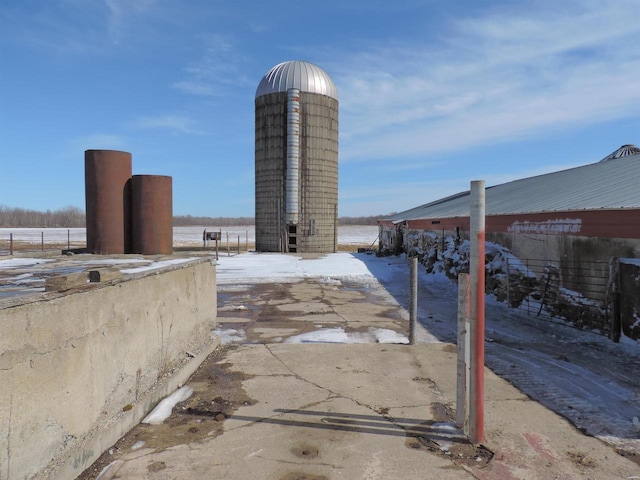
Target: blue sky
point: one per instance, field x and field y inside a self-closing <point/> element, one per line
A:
<point x="433" y="94"/>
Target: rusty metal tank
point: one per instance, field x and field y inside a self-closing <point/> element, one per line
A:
<point x="107" y="175"/>
<point x="151" y="214"/>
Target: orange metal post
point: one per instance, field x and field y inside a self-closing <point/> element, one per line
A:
<point x="477" y="277"/>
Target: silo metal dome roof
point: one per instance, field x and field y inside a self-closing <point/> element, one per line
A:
<point x="304" y="76"/>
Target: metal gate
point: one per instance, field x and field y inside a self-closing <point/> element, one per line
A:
<point x="575" y="292"/>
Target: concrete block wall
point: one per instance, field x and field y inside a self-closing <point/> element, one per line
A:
<point x="317" y="230"/>
<point x="79" y="369"/>
<point x="270" y="165"/>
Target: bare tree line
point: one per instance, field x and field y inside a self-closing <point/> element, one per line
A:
<point x="67" y="217"/>
<point x="188" y="220"/>
<point x="71" y="217"/>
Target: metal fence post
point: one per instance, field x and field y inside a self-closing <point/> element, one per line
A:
<point x="615" y="324"/>
<point x="11" y="244"/>
<point x="463" y="377"/>
<point x="528" y="291"/>
<point x="413" y="299"/>
<point x="477" y="279"/>
<point x="508" y="285"/>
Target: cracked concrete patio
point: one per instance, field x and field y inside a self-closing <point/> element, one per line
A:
<point x="270" y="410"/>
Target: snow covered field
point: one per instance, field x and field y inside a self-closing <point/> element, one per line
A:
<point x="182" y="236"/>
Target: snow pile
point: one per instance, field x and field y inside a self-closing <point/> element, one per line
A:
<point x="21" y="262"/>
<point x="338" y="335"/>
<point x="274" y="267"/>
<point x="451" y="256"/>
<point x="233" y="308"/>
<point x="229" y="335"/>
<point x="323" y="335"/>
<point x="164" y="408"/>
<point x="507" y="278"/>
<point x="562" y="302"/>
<point x="156" y="265"/>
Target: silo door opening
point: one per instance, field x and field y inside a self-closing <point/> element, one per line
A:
<point x="292" y="238"/>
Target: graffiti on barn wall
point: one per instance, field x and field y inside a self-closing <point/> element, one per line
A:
<point x="556" y="226"/>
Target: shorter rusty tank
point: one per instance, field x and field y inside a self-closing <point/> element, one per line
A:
<point x="151" y="214"/>
<point x="107" y="175"/>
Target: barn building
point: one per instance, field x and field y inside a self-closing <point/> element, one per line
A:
<point x="573" y="222"/>
<point x="547" y="216"/>
<point x="296" y="160"/>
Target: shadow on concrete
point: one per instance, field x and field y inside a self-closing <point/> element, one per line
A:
<point x="369" y="424"/>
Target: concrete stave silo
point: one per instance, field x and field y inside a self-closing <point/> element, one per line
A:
<point x="296" y="155"/>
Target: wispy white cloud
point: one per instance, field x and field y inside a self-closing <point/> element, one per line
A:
<point x="175" y="124"/>
<point x="218" y="67"/>
<point x="120" y="12"/>
<point x="79" y="27"/>
<point x="491" y="79"/>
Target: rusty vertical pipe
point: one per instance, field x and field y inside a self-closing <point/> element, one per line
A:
<point x="107" y="175"/>
<point x="152" y="214"/>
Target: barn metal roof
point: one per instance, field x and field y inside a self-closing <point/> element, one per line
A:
<point x="613" y="184"/>
<point x="304" y="76"/>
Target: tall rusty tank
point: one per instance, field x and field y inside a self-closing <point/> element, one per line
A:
<point x="296" y="160"/>
<point x="151" y="214"/>
<point x="106" y="175"/>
